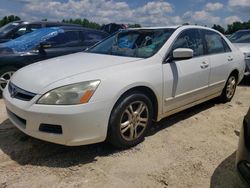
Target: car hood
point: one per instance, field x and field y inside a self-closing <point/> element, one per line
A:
<point x="244" y="47"/>
<point x="38" y="76"/>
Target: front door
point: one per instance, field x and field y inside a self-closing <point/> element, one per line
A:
<point x="186" y="81"/>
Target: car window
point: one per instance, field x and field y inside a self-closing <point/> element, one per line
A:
<point x="67" y="39"/>
<point x="93" y="36"/>
<point x="21" y="31"/>
<point x="141" y="43"/>
<point x="190" y="39"/>
<point x="226" y="47"/>
<point x="33" y="27"/>
<point x="214" y="42"/>
<point x="26" y="29"/>
<point x="8" y="27"/>
<point x="240" y="37"/>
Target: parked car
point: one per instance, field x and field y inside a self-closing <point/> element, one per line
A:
<point x="241" y="39"/>
<point x="115" y="89"/>
<point x="243" y="153"/>
<point x="43" y="44"/>
<point x="113" y="28"/>
<point x="16" y="29"/>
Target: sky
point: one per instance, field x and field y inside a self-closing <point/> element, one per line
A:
<point x="144" y="12"/>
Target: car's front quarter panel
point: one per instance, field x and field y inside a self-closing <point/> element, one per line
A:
<point x="116" y="80"/>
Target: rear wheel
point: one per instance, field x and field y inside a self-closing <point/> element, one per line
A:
<point x="129" y="121"/>
<point x="5" y="75"/>
<point x="229" y="89"/>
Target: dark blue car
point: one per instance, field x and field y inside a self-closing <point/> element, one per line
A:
<point x="43" y="44"/>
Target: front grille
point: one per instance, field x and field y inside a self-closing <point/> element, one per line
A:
<point x="18" y="93"/>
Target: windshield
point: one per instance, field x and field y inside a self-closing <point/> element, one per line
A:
<point x="142" y="43"/>
<point x="241" y="37"/>
<point x="31" y="40"/>
<point x="8" y="27"/>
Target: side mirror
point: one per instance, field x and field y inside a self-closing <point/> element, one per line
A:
<point x="183" y="53"/>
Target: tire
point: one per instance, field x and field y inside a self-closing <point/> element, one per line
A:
<point x="128" y="126"/>
<point x="229" y="89"/>
<point x="5" y="75"/>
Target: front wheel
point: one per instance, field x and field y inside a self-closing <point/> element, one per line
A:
<point x="130" y="120"/>
<point x="5" y="75"/>
<point x="229" y="89"/>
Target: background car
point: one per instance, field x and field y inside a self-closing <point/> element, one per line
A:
<point x="116" y="88"/>
<point x="243" y="153"/>
<point x="43" y="44"/>
<point x="113" y="27"/>
<point x="241" y="39"/>
<point x="18" y="28"/>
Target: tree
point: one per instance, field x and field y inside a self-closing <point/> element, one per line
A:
<point x="84" y="22"/>
<point x="219" y="28"/>
<point x="7" y="19"/>
<point x="232" y="28"/>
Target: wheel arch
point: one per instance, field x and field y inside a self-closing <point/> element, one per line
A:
<point x="236" y="73"/>
<point x="148" y="91"/>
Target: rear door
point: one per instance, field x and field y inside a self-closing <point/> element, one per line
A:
<point x="63" y="44"/>
<point x="186" y="81"/>
<point x="220" y="57"/>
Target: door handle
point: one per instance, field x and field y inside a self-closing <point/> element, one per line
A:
<point x="204" y="65"/>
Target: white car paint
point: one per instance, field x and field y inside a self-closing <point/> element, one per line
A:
<point x="245" y="48"/>
<point x="176" y="86"/>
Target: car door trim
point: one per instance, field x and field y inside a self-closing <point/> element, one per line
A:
<point x="194" y="103"/>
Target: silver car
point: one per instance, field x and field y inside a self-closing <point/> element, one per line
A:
<point x="241" y="39"/>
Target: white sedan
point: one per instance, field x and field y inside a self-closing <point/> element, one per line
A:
<point x="118" y="87"/>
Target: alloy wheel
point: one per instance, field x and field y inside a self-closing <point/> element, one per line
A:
<point x="134" y="120"/>
<point x="4" y="79"/>
<point x="231" y="86"/>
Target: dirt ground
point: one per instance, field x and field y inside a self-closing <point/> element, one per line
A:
<point x="194" y="148"/>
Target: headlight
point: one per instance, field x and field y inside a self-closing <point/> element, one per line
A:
<point x="71" y="94"/>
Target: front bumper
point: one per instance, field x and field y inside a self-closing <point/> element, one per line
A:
<point x="243" y="153"/>
<point x="80" y="124"/>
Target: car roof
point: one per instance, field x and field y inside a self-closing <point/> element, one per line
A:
<point x="175" y="27"/>
<point x="68" y="28"/>
<point x="243" y="30"/>
<point x="47" y="22"/>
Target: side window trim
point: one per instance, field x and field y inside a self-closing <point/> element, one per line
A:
<point x="226" y="46"/>
<point x="202" y="33"/>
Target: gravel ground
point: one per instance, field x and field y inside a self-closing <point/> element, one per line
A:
<point x="194" y="148"/>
